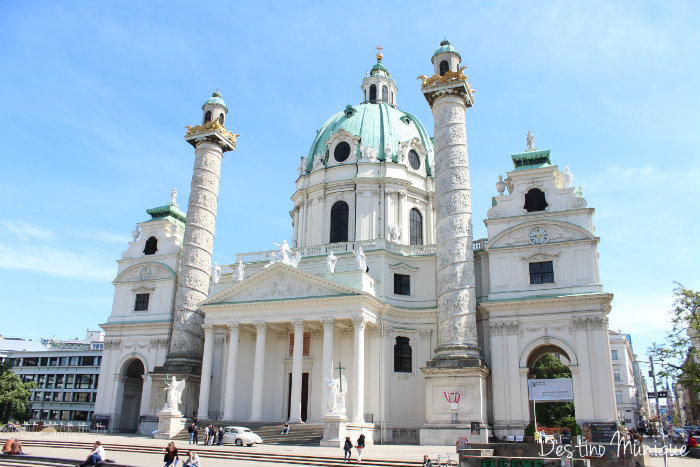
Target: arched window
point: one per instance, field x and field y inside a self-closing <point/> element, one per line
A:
<point x="151" y="246"/>
<point x="339" y="222"/>
<point x="207" y="116"/>
<point x="416" y="227"/>
<point x="535" y="200"/>
<point x="444" y="66"/>
<point x="385" y="94"/>
<point x="402" y="356"/>
<point x="221" y="118"/>
<point x="413" y="159"/>
<point x="341" y="151"/>
<point x="373" y="93"/>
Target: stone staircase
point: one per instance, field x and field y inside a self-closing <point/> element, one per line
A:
<point x="300" y="434"/>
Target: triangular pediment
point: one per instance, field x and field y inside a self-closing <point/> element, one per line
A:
<point x="279" y="282"/>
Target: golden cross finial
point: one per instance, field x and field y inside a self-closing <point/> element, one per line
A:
<point x="380" y="55"/>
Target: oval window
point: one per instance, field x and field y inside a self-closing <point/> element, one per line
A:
<point x="341" y="152"/>
<point x="413" y="159"/>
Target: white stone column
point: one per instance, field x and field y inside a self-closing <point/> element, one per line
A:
<point x="405" y="233"/>
<point x="229" y="386"/>
<point x="205" y="382"/>
<point x="358" y="378"/>
<point x="326" y="370"/>
<point x="146" y="393"/>
<point x="197" y="246"/>
<point x="297" y="366"/>
<point x="457" y="335"/>
<point x="385" y="213"/>
<point x="258" y="371"/>
<point x="429" y="240"/>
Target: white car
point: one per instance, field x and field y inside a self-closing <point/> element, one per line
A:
<point x="240" y="435"/>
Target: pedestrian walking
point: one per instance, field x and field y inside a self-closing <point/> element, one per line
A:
<point x="206" y="435"/>
<point x="196" y="432"/>
<point x="170" y="457"/>
<point x="221" y="435"/>
<point x="360" y="446"/>
<point x="347" y="447"/>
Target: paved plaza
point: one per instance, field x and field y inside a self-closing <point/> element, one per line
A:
<point x="407" y="453"/>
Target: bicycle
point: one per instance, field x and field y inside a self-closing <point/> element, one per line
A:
<point x="448" y="462"/>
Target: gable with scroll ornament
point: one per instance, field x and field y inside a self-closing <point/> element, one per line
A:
<point x="149" y="271"/>
<point x="280" y="282"/>
<point x="557" y="231"/>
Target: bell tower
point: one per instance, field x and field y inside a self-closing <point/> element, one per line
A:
<point x="211" y="141"/>
<point x="457" y="367"/>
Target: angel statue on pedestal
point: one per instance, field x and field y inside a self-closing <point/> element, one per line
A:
<point x="174" y="394"/>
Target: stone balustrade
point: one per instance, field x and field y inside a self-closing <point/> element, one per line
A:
<point x="344" y="247"/>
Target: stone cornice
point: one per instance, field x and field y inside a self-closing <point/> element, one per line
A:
<point x="603" y="299"/>
<point x="136" y="325"/>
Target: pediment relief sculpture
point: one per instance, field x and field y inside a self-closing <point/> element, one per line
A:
<point x="538" y="234"/>
<point x="145" y="272"/>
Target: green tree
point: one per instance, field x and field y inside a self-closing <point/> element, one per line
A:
<point x="680" y="352"/>
<point x="14" y="395"/>
<point x="554" y="414"/>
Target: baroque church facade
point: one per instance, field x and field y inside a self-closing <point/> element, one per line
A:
<point x="435" y="334"/>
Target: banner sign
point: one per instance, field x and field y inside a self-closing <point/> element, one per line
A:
<point x="603" y="432"/>
<point x="550" y="390"/>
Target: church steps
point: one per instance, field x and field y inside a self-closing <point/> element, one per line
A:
<point x="300" y="434"/>
<point x="216" y="452"/>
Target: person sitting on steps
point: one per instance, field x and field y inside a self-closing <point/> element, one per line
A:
<point x="285" y="428"/>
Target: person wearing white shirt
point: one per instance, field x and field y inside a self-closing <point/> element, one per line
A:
<point x="96" y="456"/>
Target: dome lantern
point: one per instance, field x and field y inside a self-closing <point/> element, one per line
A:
<point x="445" y="58"/>
<point x="378" y="85"/>
<point x="214" y="108"/>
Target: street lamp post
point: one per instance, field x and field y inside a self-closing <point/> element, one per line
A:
<point x="658" y="414"/>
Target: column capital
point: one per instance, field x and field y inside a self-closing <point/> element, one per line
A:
<point x="328" y="322"/>
<point x="261" y="327"/>
<point x="233" y="326"/>
<point x="297" y="323"/>
<point x="359" y="323"/>
<point x="208" y="328"/>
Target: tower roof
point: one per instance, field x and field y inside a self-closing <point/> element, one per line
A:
<point x="169" y="210"/>
<point x="446" y="47"/>
<point x="216" y="100"/>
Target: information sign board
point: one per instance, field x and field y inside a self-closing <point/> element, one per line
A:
<point x="550" y="390"/>
<point x="603" y="432"/>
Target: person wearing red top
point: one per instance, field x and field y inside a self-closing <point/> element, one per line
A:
<point x="691" y="442"/>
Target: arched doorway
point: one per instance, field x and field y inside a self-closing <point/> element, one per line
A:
<point x="551" y="362"/>
<point x="132" y="378"/>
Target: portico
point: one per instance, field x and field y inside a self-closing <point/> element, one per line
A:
<point x="266" y="359"/>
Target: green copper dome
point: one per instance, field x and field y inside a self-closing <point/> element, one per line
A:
<point x="379" y="69"/>
<point x="446" y="47"/>
<point x="215" y="99"/>
<point x="378" y="125"/>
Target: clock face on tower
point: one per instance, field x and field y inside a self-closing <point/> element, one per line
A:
<point x="539" y="235"/>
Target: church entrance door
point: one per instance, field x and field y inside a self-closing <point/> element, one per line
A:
<point x="304" y="395"/>
<point x="131" y="399"/>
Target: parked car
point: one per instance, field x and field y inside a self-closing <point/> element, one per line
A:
<point x="240" y="435"/>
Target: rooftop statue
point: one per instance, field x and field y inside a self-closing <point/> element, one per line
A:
<point x="330" y="262"/>
<point x="215" y="273"/>
<point x="240" y="271"/>
<point x="530" y="141"/>
<point x="360" y="259"/>
<point x="283" y="252"/>
<point x="568" y="177"/>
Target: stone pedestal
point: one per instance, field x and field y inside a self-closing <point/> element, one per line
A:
<point x="170" y="423"/>
<point x="445" y="422"/>
<point x="334" y="429"/>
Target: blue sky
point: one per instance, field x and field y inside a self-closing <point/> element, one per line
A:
<point x="96" y="95"/>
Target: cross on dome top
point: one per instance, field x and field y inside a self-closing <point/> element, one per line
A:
<point x="380" y="55"/>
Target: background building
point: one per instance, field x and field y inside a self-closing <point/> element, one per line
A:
<point x="631" y="392"/>
<point x="66" y="374"/>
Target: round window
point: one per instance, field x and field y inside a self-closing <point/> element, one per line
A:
<point x="413" y="159"/>
<point x="341" y="152"/>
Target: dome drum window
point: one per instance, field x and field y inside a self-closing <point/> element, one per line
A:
<point x="341" y="151"/>
<point x="413" y="159"/>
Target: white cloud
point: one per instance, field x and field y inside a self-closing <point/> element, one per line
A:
<point x="56" y="262"/>
<point x="103" y="236"/>
<point x="25" y="230"/>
